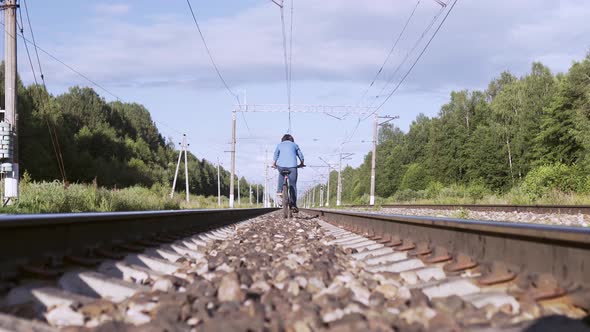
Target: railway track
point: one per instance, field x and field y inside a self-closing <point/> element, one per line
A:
<point x="540" y="209"/>
<point x="250" y="270"/>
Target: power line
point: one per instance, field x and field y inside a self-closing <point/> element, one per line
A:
<point x="210" y="55"/>
<point x="349" y="137"/>
<point x="390" y="52"/>
<point x="66" y="65"/>
<point x="246" y="123"/>
<point x="419" y="56"/>
<point x="410" y="52"/>
<point x="291" y="56"/>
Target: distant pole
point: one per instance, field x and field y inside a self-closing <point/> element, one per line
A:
<point x="375" y="125"/>
<point x="313" y="197"/>
<point x="250" y="192"/>
<point x="233" y="159"/>
<point x="328" y="189"/>
<point x="185" y="147"/>
<point x="266" y="179"/>
<point x="339" y="192"/>
<point x="11" y="191"/>
<point x="257" y="194"/>
<point x="218" y="185"/>
<point x="321" y="195"/>
<point x="239" y="201"/>
<point x="176" y="173"/>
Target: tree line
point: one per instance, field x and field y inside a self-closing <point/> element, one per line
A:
<point x="113" y="144"/>
<point x="529" y="133"/>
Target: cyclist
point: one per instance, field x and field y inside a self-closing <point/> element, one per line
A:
<point x="285" y="158"/>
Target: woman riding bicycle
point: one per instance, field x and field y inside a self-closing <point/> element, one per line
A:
<point x="285" y="158"/>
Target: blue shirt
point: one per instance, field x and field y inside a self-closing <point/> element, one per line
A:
<point x="286" y="154"/>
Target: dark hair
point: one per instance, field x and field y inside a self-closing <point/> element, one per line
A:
<point x="287" y="137"/>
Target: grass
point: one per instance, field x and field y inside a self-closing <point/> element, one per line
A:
<point x="516" y="198"/>
<point x="461" y="195"/>
<point x="51" y="197"/>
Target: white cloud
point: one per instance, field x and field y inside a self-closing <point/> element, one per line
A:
<point x="333" y="41"/>
<point x="112" y="8"/>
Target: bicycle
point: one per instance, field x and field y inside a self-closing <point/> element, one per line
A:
<point x="287" y="208"/>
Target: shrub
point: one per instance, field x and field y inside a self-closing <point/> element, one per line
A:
<point x="476" y="190"/>
<point x="415" y="178"/>
<point x="406" y="195"/>
<point x="434" y="189"/>
<point x="453" y="191"/>
<point x="542" y="180"/>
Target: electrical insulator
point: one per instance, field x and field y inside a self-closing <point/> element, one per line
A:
<point x="5" y="168"/>
<point x="5" y="140"/>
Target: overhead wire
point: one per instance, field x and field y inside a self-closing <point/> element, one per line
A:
<point x="419" y="56"/>
<point x="416" y="44"/>
<point x="390" y="53"/>
<point x="291" y="55"/>
<point x="424" y="33"/>
<point x="210" y="54"/>
<point x="282" y="7"/>
<point x="67" y="66"/>
<point x="223" y="81"/>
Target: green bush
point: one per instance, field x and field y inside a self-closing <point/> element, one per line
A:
<point x="434" y="189"/>
<point x="408" y="195"/>
<point x="542" y="180"/>
<point x="453" y="191"/>
<point x="477" y="190"/>
<point x="415" y="178"/>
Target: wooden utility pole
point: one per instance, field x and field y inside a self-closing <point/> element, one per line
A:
<point x="10" y="166"/>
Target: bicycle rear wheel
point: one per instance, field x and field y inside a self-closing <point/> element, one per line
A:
<point x="286" y="208"/>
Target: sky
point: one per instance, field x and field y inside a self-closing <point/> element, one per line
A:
<point x="150" y="52"/>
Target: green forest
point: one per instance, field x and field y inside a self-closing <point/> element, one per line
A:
<point x="109" y="144"/>
<point x="525" y="137"/>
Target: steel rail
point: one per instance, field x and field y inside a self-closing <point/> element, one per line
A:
<point x="44" y="238"/>
<point x="540" y="209"/>
<point x="563" y="252"/>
